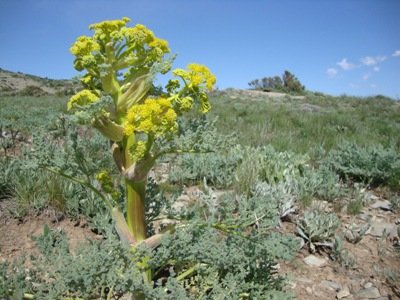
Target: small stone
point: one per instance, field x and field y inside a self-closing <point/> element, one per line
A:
<point x="301" y="242"/>
<point x="304" y="280"/>
<point x="355" y="285"/>
<point x="370" y="293"/>
<point x="344" y="292"/>
<point x="377" y="229"/>
<point x="57" y="217"/>
<point x="382" y="204"/>
<point x="314" y="261"/>
<point x="368" y="285"/>
<point x="181" y="203"/>
<point x="364" y="217"/>
<point x="331" y="285"/>
<point x="309" y="290"/>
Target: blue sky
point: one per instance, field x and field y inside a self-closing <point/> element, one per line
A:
<point x="336" y="46"/>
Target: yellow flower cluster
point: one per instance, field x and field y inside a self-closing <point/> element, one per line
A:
<point x="185" y="103"/>
<point x="104" y="30"/>
<point x="106" y="184"/>
<point x="140" y="35"/>
<point x="155" y="116"/>
<point x="116" y="47"/>
<point x="83" y="49"/>
<point x="138" y="150"/>
<point x="143" y="39"/>
<point x="201" y="74"/>
<point x="83" y="46"/>
<point x="196" y="76"/>
<point x="197" y="79"/>
<point x="82" y="98"/>
<point x="160" y="44"/>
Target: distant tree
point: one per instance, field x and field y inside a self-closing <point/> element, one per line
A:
<point x="256" y="84"/>
<point x="287" y="83"/>
<point x="291" y="83"/>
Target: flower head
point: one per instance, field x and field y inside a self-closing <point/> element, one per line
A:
<point x="82" y="98"/>
<point x="197" y="76"/>
<point x="138" y="150"/>
<point x="106" y="183"/>
<point x="84" y="45"/>
<point x="155" y="116"/>
<point x="105" y="30"/>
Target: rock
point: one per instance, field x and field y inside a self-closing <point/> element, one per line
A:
<point x="377" y="229"/>
<point x="310" y="107"/>
<point x="370" y="293"/>
<point x="355" y="285"/>
<point x="368" y="285"/>
<point x="382" y="204"/>
<point x="181" y="203"/>
<point x="304" y="280"/>
<point x="364" y="216"/>
<point x="315" y="261"/>
<point x="301" y="242"/>
<point x="309" y="290"/>
<point x="331" y="285"/>
<point x="343" y="293"/>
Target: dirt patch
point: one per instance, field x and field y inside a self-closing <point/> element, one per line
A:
<point x="16" y="235"/>
<point x="373" y="264"/>
<point x="259" y="95"/>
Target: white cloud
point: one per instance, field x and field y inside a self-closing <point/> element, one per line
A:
<point x="371" y="61"/>
<point x="374" y="86"/>
<point x="354" y="85"/>
<point x="376" y="68"/>
<point x="396" y="53"/>
<point x="366" y="76"/>
<point x="332" y="72"/>
<point x="368" y="61"/>
<point x="345" y="65"/>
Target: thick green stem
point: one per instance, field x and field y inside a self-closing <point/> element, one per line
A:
<point x="135" y="201"/>
<point x="135" y="193"/>
<point x="135" y="196"/>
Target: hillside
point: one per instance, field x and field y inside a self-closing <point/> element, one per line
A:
<point x="17" y="83"/>
<point x="314" y="179"/>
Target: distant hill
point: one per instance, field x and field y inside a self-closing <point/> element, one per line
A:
<point x="20" y="84"/>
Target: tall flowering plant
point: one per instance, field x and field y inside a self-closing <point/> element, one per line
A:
<point x="119" y="64"/>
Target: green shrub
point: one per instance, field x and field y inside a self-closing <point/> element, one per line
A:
<point x="32" y="90"/>
<point x="227" y="251"/>
<point x="218" y="168"/>
<point x="318" y="228"/>
<point x="7" y="172"/>
<point x="373" y="165"/>
<point x="321" y="183"/>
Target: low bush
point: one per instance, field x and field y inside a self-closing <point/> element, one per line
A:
<point x="228" y="251"/>
<point x="373" y="165"/>
<point x="318" y="228"/>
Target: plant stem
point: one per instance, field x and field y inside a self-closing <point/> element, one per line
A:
<point x="135" y="193"/>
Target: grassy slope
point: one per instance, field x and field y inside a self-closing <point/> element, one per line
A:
<point x="289" y="124"/>
<point x="286" y="123"/>
<point x="28" y="113"/>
